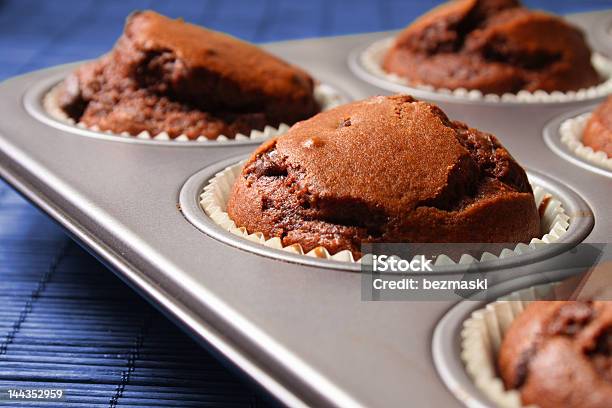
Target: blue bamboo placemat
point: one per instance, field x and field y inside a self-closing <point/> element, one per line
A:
<point x="65" y="321"/>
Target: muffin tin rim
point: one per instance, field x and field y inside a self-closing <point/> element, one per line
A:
<point x="356" y="67"/>
<point x="33" y="103"/>
<point x="579" y="229"/>
<point x="552" y="139"/>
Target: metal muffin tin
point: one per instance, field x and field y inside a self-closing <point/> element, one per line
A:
<point x="299" y="329"/>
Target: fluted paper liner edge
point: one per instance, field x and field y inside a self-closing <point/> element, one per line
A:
<point x="214" y="197"/>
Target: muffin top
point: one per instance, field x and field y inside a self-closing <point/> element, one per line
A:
<point x="386" y="169"/>
<point x="496" y="46"/>
<point x="558" y="354"/>
<point x="168" y="75"/>
<point x="598" y="131"/>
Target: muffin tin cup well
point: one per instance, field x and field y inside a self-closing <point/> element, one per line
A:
<point x="482" y="335"/>
<point x="563" y="136"/>
<point x="567" y="220"/>
<point x="41" y="102"/>
<point x="365" y="62"/>
<point x="466" y="343"/>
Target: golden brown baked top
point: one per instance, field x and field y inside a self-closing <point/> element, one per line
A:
<point x="386" y="169"/>
<point x="255" y="72"/>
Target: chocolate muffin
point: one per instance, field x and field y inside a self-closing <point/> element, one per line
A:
<point x="558" y="354"/>
<point x="598" y="131"/>
<point x="166" y="75"/>
<point x="386" y="169"/>
<point x="495" y="46"/>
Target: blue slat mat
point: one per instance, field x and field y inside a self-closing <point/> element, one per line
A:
<point x="67" y="322"/>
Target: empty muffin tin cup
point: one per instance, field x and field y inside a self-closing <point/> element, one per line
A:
<point x="482" y="335"/>
<point x="49" y="111"/>
<point x="214" y="195"/>
<point x="366" y="63"/>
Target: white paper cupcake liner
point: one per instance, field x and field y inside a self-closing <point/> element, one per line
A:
<point x="372" y="57"/>
<point x="482" y="335"/>
<point x="571" y="136"/>
<point x="215" y="195"/>
<point x="325" y="95"/>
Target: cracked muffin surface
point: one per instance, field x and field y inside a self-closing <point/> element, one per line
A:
<point x="165" y="75"/>
<point x="495" y="46"/>
<point x="598" y="131"/>
<point x="386" y="169"/>
<point x="558" y="354"/>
